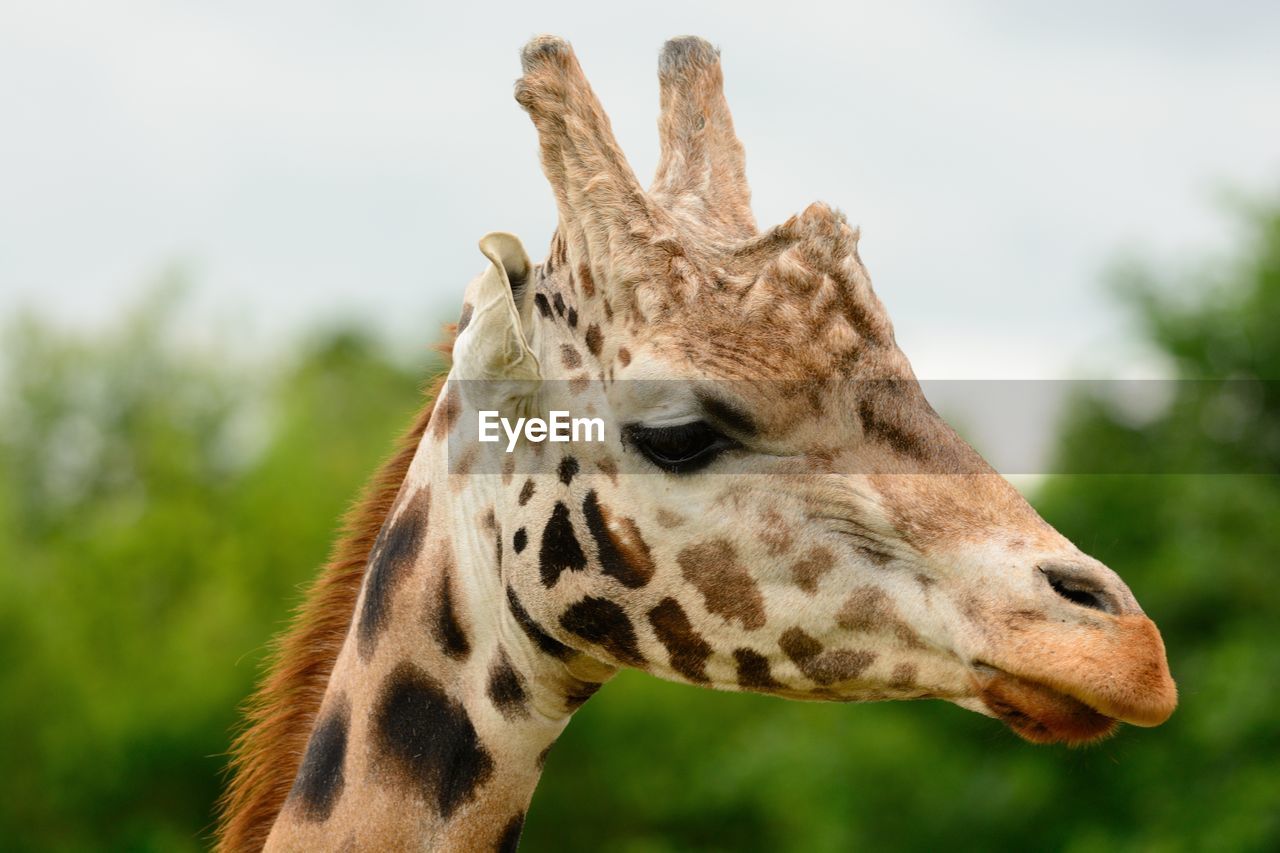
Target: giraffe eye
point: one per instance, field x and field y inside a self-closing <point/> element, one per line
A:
<point x="678" y="449"/>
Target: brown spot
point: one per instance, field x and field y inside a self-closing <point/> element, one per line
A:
<point x="604" y="623"/>
<point x="624" y="356"/>
<point x="609" y="469"/>
<point x="623" y="553"/>
<point x="971" y="608"/>
<point x="558" y="302"/>
<point x="462" y="468"/>
<point x="823" y="667"/>
<point x="526" y="492"/>
<point x="560" y="550"/>
<point x="595" y="340"/>
<point x="569" y="357"/>
<point x="687" y="650"/>
<point x="390" y="561"/>
<point x="508" y="469"/>
<point x="669" y="519"/>
<point x="544" y="307"/>
<point x="445" y="623"/>
<point x="465" y="319"/>
<point x="318" y="785"/>
<point x="423" y="738"/>
<point x="753" y="671"/>
<point x="775" y="533"/>
<point x="903" y="677"/>
<point x="868" y="610"/>
<point x="728" y="589"/>
<point x="588" y="283"/>
<point x="446" y="414"/>
<point x="809" y="570"/>
<point x="577" y="385"/>
<point x="506" y="688"/>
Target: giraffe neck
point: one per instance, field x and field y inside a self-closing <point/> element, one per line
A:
<point x="445" y="698"/>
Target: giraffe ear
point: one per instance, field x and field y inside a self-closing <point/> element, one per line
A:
<point x="491" y="344"/>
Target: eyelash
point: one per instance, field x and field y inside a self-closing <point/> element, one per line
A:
<point x="688" y="447"/>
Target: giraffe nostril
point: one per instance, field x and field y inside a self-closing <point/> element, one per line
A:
<point x="1070" y="584"/>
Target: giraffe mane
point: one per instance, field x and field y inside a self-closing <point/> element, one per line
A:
<point x="278" y="716"/>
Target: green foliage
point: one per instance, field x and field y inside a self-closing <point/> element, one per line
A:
<point x="161" y="505"/>
<point x="158" y="511"/>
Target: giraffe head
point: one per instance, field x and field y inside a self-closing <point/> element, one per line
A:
<point x="775" y="506"/>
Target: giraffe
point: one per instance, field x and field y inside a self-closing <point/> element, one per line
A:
<point x="775" y="508"/>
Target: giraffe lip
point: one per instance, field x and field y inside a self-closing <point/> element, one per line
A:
<point x="1037" y="712"/>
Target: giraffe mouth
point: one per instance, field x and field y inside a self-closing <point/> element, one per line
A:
<point x="1037" y="712"/>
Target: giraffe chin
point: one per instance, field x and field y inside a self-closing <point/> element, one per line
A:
<point x="1038" y="713"/>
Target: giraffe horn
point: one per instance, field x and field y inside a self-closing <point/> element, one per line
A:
<point x="702" y="167"/>
<point x="605" y="214"/>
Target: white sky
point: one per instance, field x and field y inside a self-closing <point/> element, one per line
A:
<point x="307" y="162"/>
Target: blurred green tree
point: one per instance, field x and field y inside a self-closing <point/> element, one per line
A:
<point x="160" y="508"/>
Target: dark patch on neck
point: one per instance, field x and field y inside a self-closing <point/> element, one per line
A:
<point x="509" y="841"/>
<point x="318" y="785"/>
<point x="506" y="689"/>
<point x="533" y="630"/>
<point x="626" y="559"/>
<point x="544" y="307"/>
<point x="560" y="549"/>
<point x="519" y="541"/>
<point x="447" y="626"/>
<point x="728" y="415"/>
<point x="595" y="340"/>
<point x="557" y="301"/>
<point x="392" y="556"/>
<point x="526" y="492"/>
<point x="586" y="280"/>
<point x="753" y="671"/>
<point x="823" y="667"/>
<point x="688" y="651"/>
<point x="572" y="317"/>
<point x="426" y="739"/>
<point x="570" y="357"/>
<point x="568" y="469"/>
<point x="603" y="622"/>
<point x="445" y="414"/>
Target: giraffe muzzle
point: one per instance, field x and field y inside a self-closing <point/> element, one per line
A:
<point x="1054" y="680"/>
